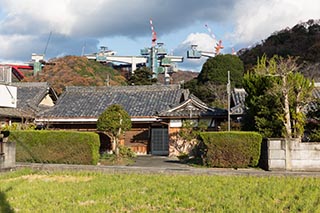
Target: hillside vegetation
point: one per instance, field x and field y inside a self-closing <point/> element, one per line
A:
<point x="302" y="40"/>
<point x="179" y="77"/>
<point x="77" y="71"/>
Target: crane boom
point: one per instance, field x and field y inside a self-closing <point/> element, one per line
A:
<point x="218" y="46"/>
<point x="154" y="34"/>
<point x="46" y="47"/>
<point x="210" y="32"/>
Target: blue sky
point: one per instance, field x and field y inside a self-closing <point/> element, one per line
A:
<point x="123" y="25"/>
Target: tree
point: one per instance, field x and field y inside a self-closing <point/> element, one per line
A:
<point x="293" y="89"/>
<point x="210" y="86"/>
<point x="114" y="122"/>
<point x="216" y="70"/>
<point x="262" y="108"/>
<point x="142" y="76"/>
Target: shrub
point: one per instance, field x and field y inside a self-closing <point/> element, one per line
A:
<point x="126" y="152"/>
<point x="231" y="149"/>
<point x="56" y="146"/>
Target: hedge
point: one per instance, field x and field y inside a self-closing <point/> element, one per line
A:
<point x="67" y="147"/>
<point x="231" y="149"/>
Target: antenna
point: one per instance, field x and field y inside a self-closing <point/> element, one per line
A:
<point x="45" y="49"/>
<point x="154" y="34"/>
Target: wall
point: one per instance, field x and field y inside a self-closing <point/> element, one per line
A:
<point x="138" y="139"/>
<point x="7" y="155"/>
<point x="178" y="146"/>
<point x="292" y="155"/>
<point x="47" y="101"/>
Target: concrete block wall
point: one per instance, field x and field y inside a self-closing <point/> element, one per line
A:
<point x="8" y="155"/>
<point x="276" y="154"/>
<point x="293" y="155"/>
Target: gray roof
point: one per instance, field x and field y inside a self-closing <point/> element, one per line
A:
<point x="138" y="101"/>
<point x="239" y="96"/>
<point x="313" y="105"/>
<point x="29" y="96"/>
<point x="193" y="107"/>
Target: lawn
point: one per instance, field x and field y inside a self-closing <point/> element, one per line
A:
<point x="40" y="191"/>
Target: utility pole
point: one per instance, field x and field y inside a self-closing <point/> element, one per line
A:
<point x="228" y="91"/>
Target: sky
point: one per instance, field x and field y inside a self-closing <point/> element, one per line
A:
<point x="78" y="26"/>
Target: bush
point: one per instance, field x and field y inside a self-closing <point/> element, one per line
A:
<point x="126" y="152"/>
<point x="231" y="149"/>
<point x="56" y="146"/>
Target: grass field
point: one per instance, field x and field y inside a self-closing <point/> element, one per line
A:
<point x="40" y="191"/>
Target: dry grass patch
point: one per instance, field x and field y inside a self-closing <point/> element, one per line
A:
<point x="46" y="178"/>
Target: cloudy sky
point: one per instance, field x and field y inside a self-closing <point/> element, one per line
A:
<point x="123" y="25"/>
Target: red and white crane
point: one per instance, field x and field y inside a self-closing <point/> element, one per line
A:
<point x="153" y="34"/>
<point x="196" y="54"/>
<point x="218" y="46"/>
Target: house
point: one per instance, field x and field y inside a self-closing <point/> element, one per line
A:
<point x="238" y="97"/>
<point x="156" y="111"/>
<point x="32" y="97"/>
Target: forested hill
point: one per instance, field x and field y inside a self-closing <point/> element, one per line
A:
<point x="302" y="40"/>
<point x="77" y="71"/>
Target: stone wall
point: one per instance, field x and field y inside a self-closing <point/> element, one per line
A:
<point x="292" y="155"/>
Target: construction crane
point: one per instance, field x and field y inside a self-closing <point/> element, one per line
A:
<point x="193" y="53"/>
<point x="36" y="63"/>
<point x="105" y="56"/>
<point x="153" y="34"/>
<point x="218" y="46"/>
<point x="158" y="59"/>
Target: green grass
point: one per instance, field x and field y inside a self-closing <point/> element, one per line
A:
<point x="40" y="191"/>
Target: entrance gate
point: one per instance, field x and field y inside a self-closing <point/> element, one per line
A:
<point x="159" y="141"/>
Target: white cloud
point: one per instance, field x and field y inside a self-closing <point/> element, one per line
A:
<point x="13" y="45"/>
<point x="25" y="25"/>
<point x="255" y="20"/>
<point x="203" y="41"/>
<point x="36" y="16"/>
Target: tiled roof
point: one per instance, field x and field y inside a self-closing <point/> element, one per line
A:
<point x="239" y="95"/>
<point x="316" y="95"/>
<point x="29" y="95"/>
<point x="193" y="107"/>
<point x="138" y="101"/>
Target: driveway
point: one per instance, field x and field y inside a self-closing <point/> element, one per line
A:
<point x="158" y="162"/>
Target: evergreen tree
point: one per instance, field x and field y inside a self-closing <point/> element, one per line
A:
<point x="210" y="86"/>
<point x="114" y="122"/>
<point x="142" y="76"/>
<point x="284" y="93"/>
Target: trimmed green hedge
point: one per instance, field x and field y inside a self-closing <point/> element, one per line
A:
<point x="231" y="149"/>
<point x="68" y="147"/>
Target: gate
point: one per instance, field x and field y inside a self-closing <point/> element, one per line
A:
<point x="159" y="141"/>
